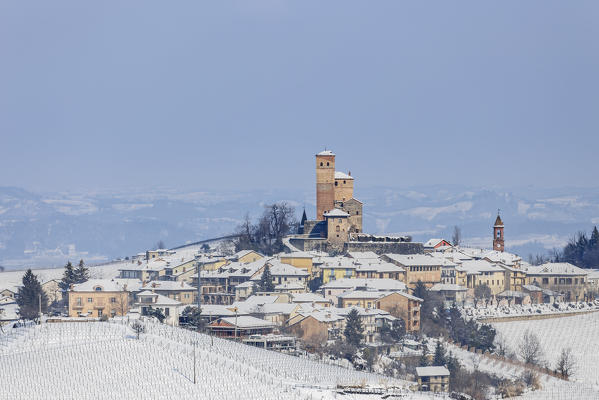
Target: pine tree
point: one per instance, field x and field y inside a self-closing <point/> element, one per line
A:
<point x="29" y="297"/>
<point x="594" y="240"/>
<point x="68" y="277"/>
<point x="353" y="328"/>
<point x="440" y="357"/>
<point x="423" y="361"/>
<point x="420" y="290"/>
<point x="81" y="273"/>
<point x="266" y="284"/>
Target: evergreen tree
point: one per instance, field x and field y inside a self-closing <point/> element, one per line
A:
<point x="68" y="277"/>
<point x="193" y="315"/>
<point x="29" y="297"/>
<point x="440" y="357"/>
<point x="266" y="284"/>
<point x="81" y="273"/>
<point x="156" y="312"/>
<point x="423" y="361"/>
<point x="353" y="328"/>
<point x="420" y="290"/>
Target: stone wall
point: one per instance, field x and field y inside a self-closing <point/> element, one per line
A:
<point x="310" y="244"/>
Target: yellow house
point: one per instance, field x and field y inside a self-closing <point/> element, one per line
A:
<point x="299" y="259"/>
<point x="479" y="272"/>
<point x="98" y="298"/>
<point x="174" y="268"/>
<point x="210" y="263"/>
<point x="418" y="267"/>
<point x="179" y="291"/>
<point x="336" y="271"/>
<point x="433" y="379"/>
<point x="246" y="256"/>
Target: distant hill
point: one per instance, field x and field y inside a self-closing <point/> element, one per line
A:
<point x="47" y="229"/>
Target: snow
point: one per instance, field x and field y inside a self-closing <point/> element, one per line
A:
<point x="105" y="360"/>
<point x="579" y="332"/>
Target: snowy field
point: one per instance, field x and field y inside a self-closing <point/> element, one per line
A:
<point x="579" y="332"/>
<point x="105" y="360"/>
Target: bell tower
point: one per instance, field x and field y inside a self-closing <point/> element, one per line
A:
<point x="325" y="183"/>
<point x="498" y="243"/>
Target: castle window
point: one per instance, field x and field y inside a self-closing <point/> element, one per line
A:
<point x="327" y="163"/>
<point x="336" y="183"/>
<point x="357" y="212"/>
<point x="321" y="164"/>
<point x="344" y="182"/>
<point x="337" y="229"/>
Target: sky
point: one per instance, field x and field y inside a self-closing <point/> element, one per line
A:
<point x="239" y="95"/>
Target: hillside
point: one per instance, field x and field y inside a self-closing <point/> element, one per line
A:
<point x="72" y="360"/>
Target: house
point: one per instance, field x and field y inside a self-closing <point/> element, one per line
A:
<point x="299" y="259"/>
<point x="563" y="278"/>
<point x="534" y="292"/>
<point x="144" y="271"/>
<point x="380" y="270"/>
<point x="317" y="327"/>
<point x="402" y="305"/>
<point x="153" y="254"/>
<point x="283" y="273"/>
<point x="179" y="291"/>
<point x="244" y="290"/>
<point x="337" y="268"/>
<point x="418" y="267"/>
<point x="179" y="269"/>
<point x="473" y="273"/>
<point x="359" y="298"/>
<point x="8" y="293"/>
<point x="147" y="300"/>
<point x="241" y="327"/>
<point x="310" y="298"/>
<point x="245" y="256"/>
<point x="98" y="298"/>
<point x="452" y="293"/>
<point x="336" y="287"/>
<point x="434" y="244"/>
<point x="433" y="379"/>
<point x="293" y="288"/>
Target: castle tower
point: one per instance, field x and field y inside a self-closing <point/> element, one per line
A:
<point x="498" y="243"/>
<point x="325" y="183"/>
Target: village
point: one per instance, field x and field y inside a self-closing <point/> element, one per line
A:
<point x="333" y="285"/>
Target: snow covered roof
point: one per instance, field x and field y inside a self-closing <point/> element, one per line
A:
<point x="171" y="286"/>
<point x="380" y="267"/>
<point x="414" y="259"/>
<point x="97" y="285"/>
<point x="431" y="243"/>
<point x="278" y="268"/>
<point x="297" y="254"/>
<point x="474" y="267"/>
<point x="532" y="288"/>
<point x="245" y="321"/>
<point x="447" y="287"/>
<point x="342" y="175"/>
<point x="326" y="153"/>
<point x="432" y="371"/>
<point x="308" y="298"/>
<point x="289" y="286"/>
<point x="556" y="269"/>
<point x="336" y="213"/>
<point x="359" y="283"/>
<point x="363" y="255"/>
<point x="361" y="294"/>
<point x="323" y="316"/>
<point x="159" y="300"/>
<point x="216" y="310"/>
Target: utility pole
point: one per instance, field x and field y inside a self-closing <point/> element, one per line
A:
<point x="199" y="300"/>
<point x="40" y="306"/>
<point x="235" y="323"/>
<point x="194" y="362"/>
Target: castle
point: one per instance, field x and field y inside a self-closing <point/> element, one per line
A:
<point x="338" y="223"/>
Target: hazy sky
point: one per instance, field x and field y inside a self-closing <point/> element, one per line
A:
<point x="242" y="94"/>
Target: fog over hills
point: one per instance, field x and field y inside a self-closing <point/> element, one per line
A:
<point x="46" y="229"/>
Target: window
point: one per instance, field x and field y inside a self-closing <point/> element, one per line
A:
<point x="187" y="295"/>
<point x="98" y="289"/>
<point x="344" y="182"/>
<point x="99" y="313"/>
<point x="167" y="311"/>
<point x="545" y="281"/>
<point x="78" y="301"/>
<point x="337" y="229"/>
<point x="112" y="312"/>
<point x="113" y="299"/>
<point x="321" y="164"/>
<point x="327" y="163"/>
<point x="90" y="300"/>
<point x="339" y="220"/>
<point x="357" y="212"/>
<point x="336" y="183"/>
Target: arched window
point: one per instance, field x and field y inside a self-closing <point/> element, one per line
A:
<point x="357" y="212"/>
<point x="98" y="289"/>
<point x="327" y="163"/>
<point x="321" y="164"/>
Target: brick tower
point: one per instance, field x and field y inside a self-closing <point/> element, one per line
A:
<point x="498" y="243"/>
<point x="325" y="183"/>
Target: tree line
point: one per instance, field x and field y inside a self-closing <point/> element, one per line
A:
<point x="581" y="250"/>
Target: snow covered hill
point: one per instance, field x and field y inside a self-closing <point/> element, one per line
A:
<point x="105" y="360"/>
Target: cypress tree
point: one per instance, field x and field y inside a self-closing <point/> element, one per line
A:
<point x="266" y="284"/>
<point x="353" y="328"/>
<point x="81" y="273"/>
<point x="68" y="277"/>
<point x="440" y="357"/>
<point x="29" y="297"/>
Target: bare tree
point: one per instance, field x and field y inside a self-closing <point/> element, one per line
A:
<point x="566" y="364"/>
<point x="138" y="328"/>
<point x="530" y="348"/>
<point x="501" y="346"/>
<point x="456" y="238"/>
<point x="122" y="304"/>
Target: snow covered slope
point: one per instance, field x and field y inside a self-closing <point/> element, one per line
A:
<point x="105" y="360"/>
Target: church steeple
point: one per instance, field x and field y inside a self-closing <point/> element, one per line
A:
<point x="498" y="241"/>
